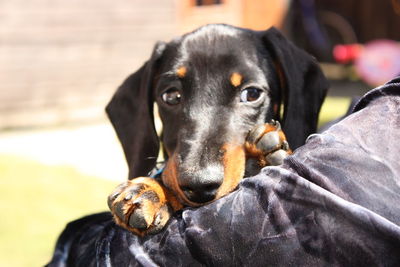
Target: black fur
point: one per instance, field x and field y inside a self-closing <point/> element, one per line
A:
<point x="210" y="113"/>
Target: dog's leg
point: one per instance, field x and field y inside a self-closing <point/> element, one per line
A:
<point x="265" y="145"/>
<point x="142" y="205"/>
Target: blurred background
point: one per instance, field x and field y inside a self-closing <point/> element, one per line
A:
<point x="61" y="61"/>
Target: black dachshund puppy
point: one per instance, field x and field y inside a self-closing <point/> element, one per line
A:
<point x="221" y="93"/>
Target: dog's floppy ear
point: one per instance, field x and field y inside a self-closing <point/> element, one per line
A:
<point x="304" y="87"/>
<point x="131" y="113"/>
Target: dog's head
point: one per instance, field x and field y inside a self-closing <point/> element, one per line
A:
<point x="212" y="86"/>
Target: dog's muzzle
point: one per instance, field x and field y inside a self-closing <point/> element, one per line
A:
<point x="196" y="185"/>
<point x="201" y="185"/>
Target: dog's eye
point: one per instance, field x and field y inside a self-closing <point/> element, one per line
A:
<point x="250" y="94"/>
<point x="172" y="96"/>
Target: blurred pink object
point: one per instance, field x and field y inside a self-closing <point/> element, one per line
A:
<point x="376" y="62"/>
<point x="346" y="53"/>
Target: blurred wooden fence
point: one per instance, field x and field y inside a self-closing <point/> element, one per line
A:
<point x="61" y="60"/>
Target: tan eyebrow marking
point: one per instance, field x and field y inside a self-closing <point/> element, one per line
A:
<point x="181" y="71"/>
<point x="236" y="79"/>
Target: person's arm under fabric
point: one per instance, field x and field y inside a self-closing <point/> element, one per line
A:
<point x="335" y="201"/>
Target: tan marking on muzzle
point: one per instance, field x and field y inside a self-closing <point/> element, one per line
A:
<point x="170" y="180"/>
<point x="234" y="164"/>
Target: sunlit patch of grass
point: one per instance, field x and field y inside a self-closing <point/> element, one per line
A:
<point x="333" y="108"/>
<point x="36" y="203"/>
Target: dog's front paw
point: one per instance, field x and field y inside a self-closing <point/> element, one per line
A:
<point x="266" y="145"/>
<point x="142" y="205"/>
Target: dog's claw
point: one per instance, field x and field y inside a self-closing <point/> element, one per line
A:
<point x="285" y="146"/>
<point x="267" y="143"/>
<point x="119" y="209"/>
<point x="255" y="133"/>
<point x="276" y="124"/>
<point x="136" y="220"/>
<point x="140" y="206"/>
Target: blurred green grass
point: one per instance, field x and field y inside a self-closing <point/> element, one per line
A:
<point x="36" y="203"/>
<point x="333" y="108"/>
<point x="38" y="200"/>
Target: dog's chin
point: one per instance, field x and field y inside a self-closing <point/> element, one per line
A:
<point x="204" y="199"/>
<point x="193" y="200"/>
<point x="200" y="198"/>
<point x="196" y="200"/>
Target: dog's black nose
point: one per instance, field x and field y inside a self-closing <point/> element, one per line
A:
<point x="201" y="186"/>
<point x="201" y="193"/>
